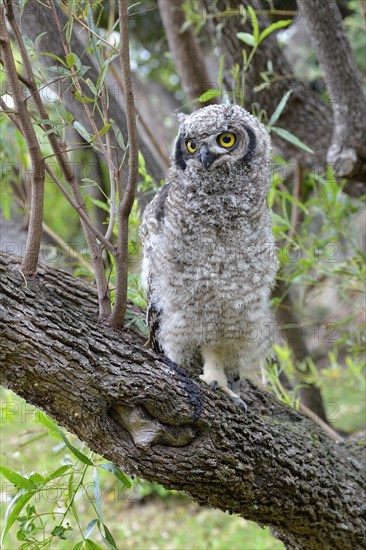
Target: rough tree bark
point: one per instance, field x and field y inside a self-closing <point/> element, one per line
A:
<point x="186" y="52"/>
<point x="306" y="115"/>
<point x="270" y="465"/>
<point x="347" y="152"/>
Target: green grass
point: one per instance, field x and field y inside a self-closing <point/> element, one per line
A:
<point x="144" y="517"/>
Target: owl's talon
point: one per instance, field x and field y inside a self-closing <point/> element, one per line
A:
<point x="214" y="385"/>
<point x="241" y="404"/>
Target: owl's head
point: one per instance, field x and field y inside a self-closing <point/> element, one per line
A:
<point x="220" y="136"/>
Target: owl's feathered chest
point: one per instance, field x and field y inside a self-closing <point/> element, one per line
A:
<point x="208" y="217"/>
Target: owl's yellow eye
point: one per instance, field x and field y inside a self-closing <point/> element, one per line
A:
<point x="226" y="140"/>
<point x="191" y="146"/>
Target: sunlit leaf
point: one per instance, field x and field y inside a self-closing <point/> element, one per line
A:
<point x="285" y="134"/>
<point x="255" y="25"/>
<point x="70" y="60"/>
<point x="246" y="37"/>
<point x="18" y="480"/>
<point x="274" y="27"/>
<point x="280" y="107"/>
<point x="117" y="473"/>
<point x="13" y="511"/>
<point x="79" y="455"/>
<point x="210" y="94"/>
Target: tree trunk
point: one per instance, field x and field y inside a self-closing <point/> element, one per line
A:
<point x="270" y="465"/>
<point x="347" y="153"/>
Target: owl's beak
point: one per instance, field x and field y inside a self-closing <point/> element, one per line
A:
<point x="207" y="158"/>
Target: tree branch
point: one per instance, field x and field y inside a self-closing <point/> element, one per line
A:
<point x="270" y="465"/>
<point x="347" y="152"/>
<point x="125" y="203"/>
<point x="30" y="259"/>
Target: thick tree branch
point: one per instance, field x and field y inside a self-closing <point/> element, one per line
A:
<point x="347" y="153"/>
<point x="270" y="465"/>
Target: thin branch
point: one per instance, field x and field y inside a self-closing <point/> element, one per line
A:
<point x="125" y="203"/>
<point x="163" y="156"/>
<point x="81" y="212"/>
<point x="30" y="259"/>
<point x="295" y="211"/>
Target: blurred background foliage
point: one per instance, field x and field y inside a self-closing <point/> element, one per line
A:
<point x="320" y="234"/>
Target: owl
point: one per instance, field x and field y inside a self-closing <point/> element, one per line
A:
<point x="209" y="260"/>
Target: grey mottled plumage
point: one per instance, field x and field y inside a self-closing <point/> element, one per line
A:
<point x="209" y="262"/>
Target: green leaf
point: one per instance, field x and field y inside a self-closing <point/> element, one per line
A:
<point x="48" y="423"/>
<point x="254" y="20"/>
<point x="70" y="60"/>
<point x="93" y="38"/>
<point x="103" y="73"/>
<point x="119" y="136"/>
<point x="61" y="532"/>
<point x="54" y="57"/>
<point x="246" y="37"/>
<point x="108" y="539"/>
<point x="206" y="96"/>
<point x="13" y="511"/>
<point x="97" y="494"/>
<point x="278" y="25"/>
<point x="82" y="131"/>
<point x="78" y="545"/>
<point x="91" y="85"/>
<point x="90" y="545"/>
<point x="117" y="473"/>
<point x="104" y="129"/>
<point x="57" y="473"/>
<point x="280" y="107"/>
<point x="285" y="134"/>
<point x="83" y="98"/>
<point x="90" y="527"/>
<point x="75" y="451"/>
<point x="102" y="205"/>
<point x="293" y="200"/>
<point x="17" y="479"/>
<point x="36" y="478"/>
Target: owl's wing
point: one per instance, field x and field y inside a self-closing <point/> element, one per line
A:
<point x="150" y="227"/>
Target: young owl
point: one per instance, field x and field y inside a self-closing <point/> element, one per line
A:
<point x="209" y="262"/>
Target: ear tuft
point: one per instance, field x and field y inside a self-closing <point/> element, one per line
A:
<point x="181" y="117"/>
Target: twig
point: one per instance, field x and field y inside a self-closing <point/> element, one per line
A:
<point x="125" y="203"/>
<point x="294" y="207"/>
<point x="30" y="259"/>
